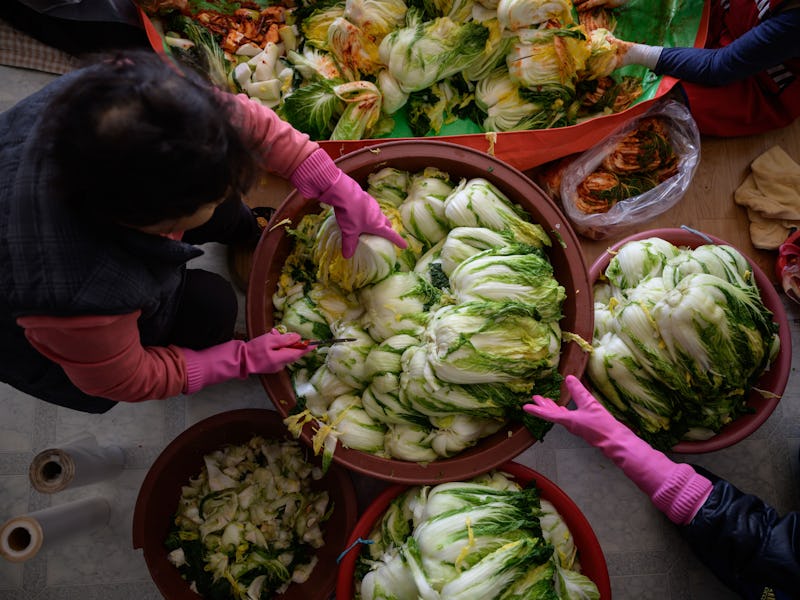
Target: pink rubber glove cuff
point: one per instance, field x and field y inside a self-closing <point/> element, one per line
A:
<point x="268" y="353"/>
<point x="675" y="489"/>
<point x="315" y="174"/>
<point x="356" y="211"/>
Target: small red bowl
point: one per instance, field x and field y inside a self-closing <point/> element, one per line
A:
<point x="590" y="554"/>
<point x="459" y="162"/>
<point x="182" y="459"/>
<point x="772" y="381"/>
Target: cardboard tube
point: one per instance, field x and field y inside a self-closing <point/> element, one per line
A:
<point x="75" y="464"/>
<point x="21" y="538"/>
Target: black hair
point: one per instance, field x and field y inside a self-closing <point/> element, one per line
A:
<point x="137" y="141"/>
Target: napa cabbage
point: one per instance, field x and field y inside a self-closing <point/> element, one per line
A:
<point x="482" y="538"/>
<point x="681" y="338"/>
<point x="419" y="55"/>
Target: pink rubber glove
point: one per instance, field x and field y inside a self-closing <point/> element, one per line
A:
<point x="675" y="489"/>
<point x="356" y="211"/>
<point x="268" y="353"/>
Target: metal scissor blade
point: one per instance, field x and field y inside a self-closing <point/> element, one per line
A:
<point x="321" y="343"/>
<point x="329" y="341"/>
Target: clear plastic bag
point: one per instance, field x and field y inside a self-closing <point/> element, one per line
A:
<point x="684" y="139"/>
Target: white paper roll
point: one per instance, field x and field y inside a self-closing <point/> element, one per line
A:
<point x="21" y="538"/>
<point x="74" y="464"/>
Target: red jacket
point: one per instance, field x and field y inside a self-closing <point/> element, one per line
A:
<point x="768" y="100"/>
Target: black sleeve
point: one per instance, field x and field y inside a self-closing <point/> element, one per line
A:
<point x="743" y="540"/>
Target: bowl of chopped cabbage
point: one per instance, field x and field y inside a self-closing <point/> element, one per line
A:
<point x="488" y="535"/>
<point x="489" y="304"/>
<point x="692" y="347"/>
<point x="235" y="502"/>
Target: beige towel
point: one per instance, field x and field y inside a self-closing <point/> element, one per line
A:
<point x="771" y="193"/>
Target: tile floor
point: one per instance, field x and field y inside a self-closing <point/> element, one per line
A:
<point x="647" y="560"/>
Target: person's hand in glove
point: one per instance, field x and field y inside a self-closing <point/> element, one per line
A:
<point x="268" y="353"/>
<point x="630" y="53"/>
<point x="675" y="489"/>
<point x="356" y="211"/>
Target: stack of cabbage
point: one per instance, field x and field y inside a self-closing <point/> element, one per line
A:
<point x="681" y="337"/>
<point x="344" y="69"/>
<point x="507" y="65"/>
<point x="452" y="334"/>
<point x="486" y="539"/>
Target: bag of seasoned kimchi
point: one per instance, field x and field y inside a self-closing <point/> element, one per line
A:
<point x="638" y="172"/>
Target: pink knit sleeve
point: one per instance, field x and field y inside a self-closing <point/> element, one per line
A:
<point x="281" y="147"/>
<point x="103" y="356"/>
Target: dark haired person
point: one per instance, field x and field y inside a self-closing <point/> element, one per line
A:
<point x="747" y="78"/>
<point x="743" y="540"/>
<point x="109" y="176"/>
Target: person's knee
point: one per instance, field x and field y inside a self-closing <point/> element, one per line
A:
<point x="208" y="309"/>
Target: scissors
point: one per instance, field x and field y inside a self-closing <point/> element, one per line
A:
<point x="320" y="343"/>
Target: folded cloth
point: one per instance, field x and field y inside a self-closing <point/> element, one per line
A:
<point x="771" y="193"/>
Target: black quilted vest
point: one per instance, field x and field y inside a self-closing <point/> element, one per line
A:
<point x="53" y="264"/>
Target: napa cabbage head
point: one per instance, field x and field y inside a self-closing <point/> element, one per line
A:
<point x="556" y="532"/>
<point x="602" y="59"/>
<point x="721" y="260"/>
<point x="548" y="60"/>
<point x="412" y="442"/>
<point x="419" y="55"/>
<point x="374" y="258"/>
<point x="334" y="304"/>
<point x="633" y="394"/>
<point x="389" y="579"/>
<point x="493" y="55"/>
<point x="507" y="108"/>
<point x="398" y="304"/>
<point x="457" y="432"/>
<point x="386" y="357"/>
<point x="514" y="272"/>
<point x="389" y="185"/>
<point x="313" y="64"/>
<point x="303" y="316"/>
<point x="355" y="51"/>
<point x="638" y="260"/>
<point x="718" y="333"/>
<point x="394" y="97"/>
<point x="522" y="14"/>
<point x="454" y="542"/>
<point x="648" y="292"/>
<point x="478" y="203"/>
<point x="318" y="391"/>
<point x="348" y="359"/>
<point x="376" y="18"/>
<point x="314" y="26"/>
<point x="384" y="402"/>
<point x="459" y="495"/>
<point x="463" y="242"/>
<point x="426" y="394"/>
<point x="422" y="212"/>
<point x="354" y="427"/>
<point x="500" y="569"/>
<point x="491" y="342"/>
<point x="382" y="399"/>
<point x="362" y="112"/>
